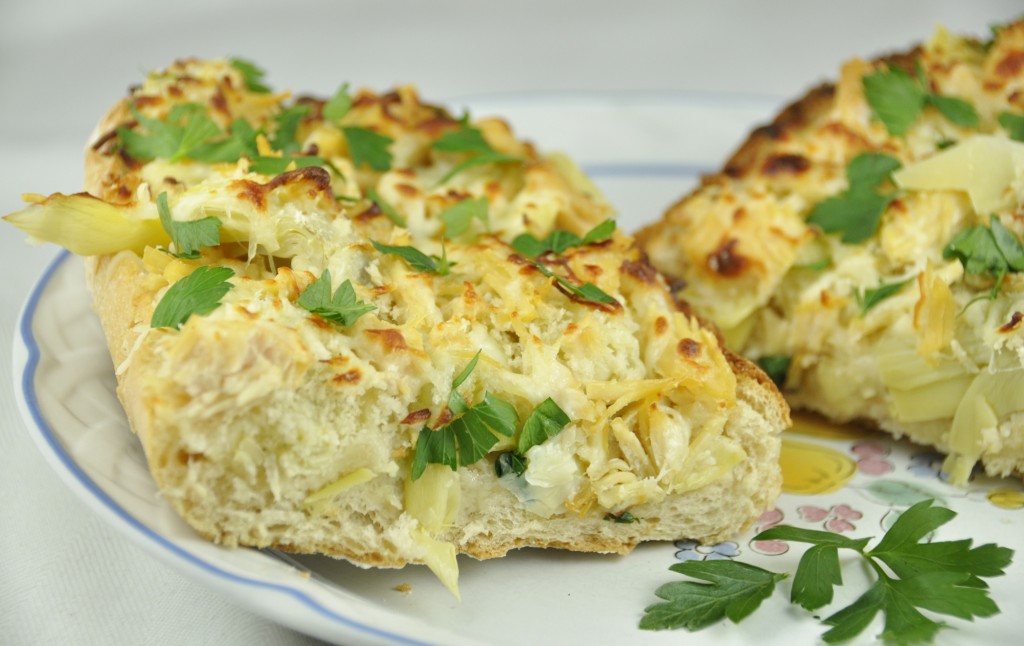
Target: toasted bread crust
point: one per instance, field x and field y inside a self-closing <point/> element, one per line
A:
<point x="259" y="357"/>
<point x="739" y="240"/>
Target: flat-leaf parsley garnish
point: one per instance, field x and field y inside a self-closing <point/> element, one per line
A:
<point x="911" y="576"/>
<point x="897" y="99"/>
<point x="188" y="237"/>
<point x="469" y="140"/>
<point x="368" y="147"/>
<point x="993" y="250"/>
<point x="470" y="435"/>
<point x="560" y="240"/>
<point x="856" y="212"/>
<point x="198" y="293"/>
<point x="868" y="298"/>
<point x="251" y="75"/>
<point x="343" y="308"/>
<point x="416" y="258"/>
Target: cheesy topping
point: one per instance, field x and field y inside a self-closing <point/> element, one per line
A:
<point x="647" y="388"/>
<point x="924" y="359"/>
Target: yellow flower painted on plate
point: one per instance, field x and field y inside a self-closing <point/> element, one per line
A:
<point x="815" y="426"/>
<point x="811" y="469"/>
<point x="1006" y="498"/>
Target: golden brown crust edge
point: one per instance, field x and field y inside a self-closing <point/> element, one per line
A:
<point x="124" y="304"/>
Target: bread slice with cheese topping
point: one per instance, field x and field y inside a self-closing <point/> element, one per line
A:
<point x="866" y="244"/>
<point x="364" y="328"/>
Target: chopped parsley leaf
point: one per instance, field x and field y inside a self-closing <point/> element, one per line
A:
<point x="776" y="366"/>
<point x="869" y="298"/>
<point x="343" y="308"/>
<point x="339" y="105"/>
<point x="559" y="240"/>
<point x="368" y="147"/>
<point x="198" y="293"/>
<point x="856" y="212"/>
<point x="385" y="207"/>
<point x="897" y="99"/>
<point x="252" y="75"/>
<point x="188" y="237"/>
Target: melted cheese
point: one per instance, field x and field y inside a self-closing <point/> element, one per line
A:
<point x="741" y="244"/>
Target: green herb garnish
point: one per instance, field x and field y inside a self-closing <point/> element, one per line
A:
<point x="368" y="147"/>
<point x="188" y="237"/>
<point x="470" y="141"/>
<point x="416" y="258"/>
<point x="856" y="212"/>
<point x="776" y="366"/>
<point x="943" y="577"/>
<point x="1013" y="124"/>
<point x="586" y="292"/>
<point x="479" y="160"/>
<point x="464" y="140"/>
<point x="198" y="293"/>
<point x="624" y="518"/>
<point x="868" y="298"/>
<point x="267" y="165"/>
<point x="188" y="133"/>
<point x="287" y="128"/>
<point x="339" y="104"/>
<point x="385" y="208"/>
<point x="897" y="99"/>
<point x="509" y="462"/>
<point x="992" y="250"/>
<point x="457" y="217"/>
<point x="732" y="590"/>
<point x="468" y="437"/>
<point x="252" y="75"/>
<point x="343" y="308"/>
<point x="559" y="240"/>
<point x="186" y="128"/>
<point x="546" y="421"/>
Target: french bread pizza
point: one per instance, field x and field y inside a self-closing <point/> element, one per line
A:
<point x="366" y="328"/>
<point x="865" y="246"/>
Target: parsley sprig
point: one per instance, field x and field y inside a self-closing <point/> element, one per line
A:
<point x="911" y="576"/>
<point x="776" y="366"/>
<point x="470" y="141"/>
<point x="188" y="237"/>
<point x="476" y="429"/>
<point x="343" y="308"/>
<point x="992" y="250"/>
<point x="385" y="207"/>
<point x="456" y="219"/>
<point x="198" y="293"/>
<point x="856" y="212"/>
<point x="559" y="241"/>
<point x="546" y="421"/>
<point x="868" y="298"/>
<point x="252" y="75"/>
<point x="417" y="259"/>
<point x="897" y="99"/>
<point x="187" y="133"/>
<point x="1013" y="124"/>
<point x="470" y="435"/>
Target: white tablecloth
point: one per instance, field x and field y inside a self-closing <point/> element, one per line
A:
<point x="65" y="576"/>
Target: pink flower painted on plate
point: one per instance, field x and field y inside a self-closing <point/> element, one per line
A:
<point x="769" y="519"/>
<point x="836" y="518"/>
<point x="871" y="458"/>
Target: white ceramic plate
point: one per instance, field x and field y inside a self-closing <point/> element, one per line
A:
<point x="645" y="151"/>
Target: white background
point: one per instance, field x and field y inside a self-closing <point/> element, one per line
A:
<point x="65" y="577"/>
